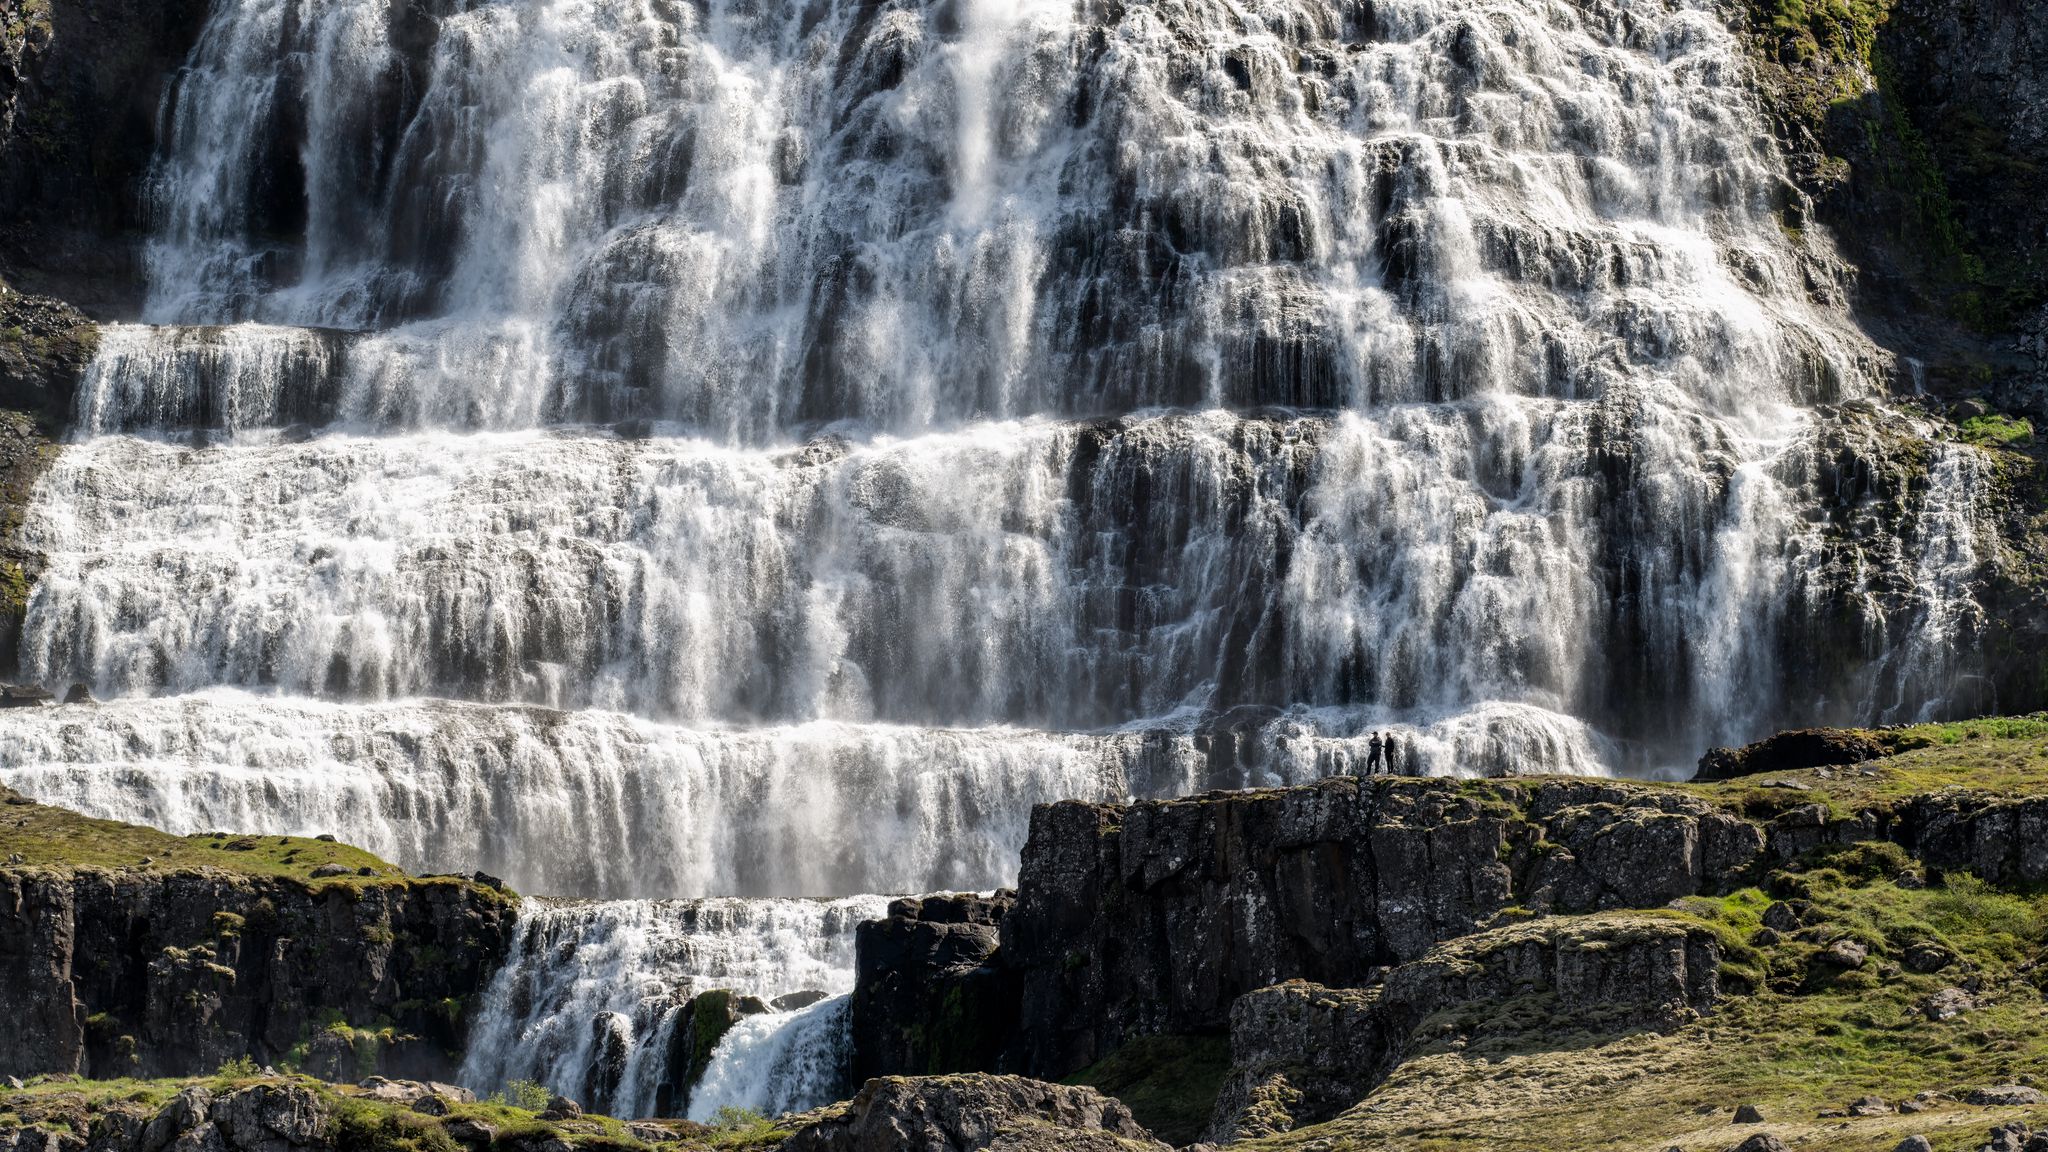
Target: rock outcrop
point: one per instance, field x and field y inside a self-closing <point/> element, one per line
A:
<point x="927" y="999"/>
<point x="970" y="1113"/>
<point x="81" y="83"/>
<point x="1789" y="751"/>
<point x="134" y="973"/>
<point x="1155" y="918"/>
<point x="1301" y="1053"/>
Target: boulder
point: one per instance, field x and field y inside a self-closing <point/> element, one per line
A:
<point x="471" y="1132"/>
<point x="1926" y="957"/>
<point x="271" y="1118"/>
<point x="969" y="1113"/>
<point x="1947" y="1004"/>
<point x="2005" y="1096"/>
<point x="1846" y="954"/>
<point x="1761" y="1142"/>
<point x="1748" y="1114"/>
<point x="561" y="1108"/>
<point x="1871" y="1106"/>
<point x="1789" y="751"/>
<point x="927" y="999"/>
<point x="1915" y="1144"/>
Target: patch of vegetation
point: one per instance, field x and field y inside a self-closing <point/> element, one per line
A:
<point x="365" y="1126"/>
<point x="1168" y="1082"/>
<point x="1813" y="1038"/>
<point x="524" y="1094"/>
<point x="61" y="840"/>
<point x="1997" y="430"/>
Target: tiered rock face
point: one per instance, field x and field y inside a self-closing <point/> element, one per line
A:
<point x="1301" y="1053"/>
<point x="171" y="974"/>
<point x="1156" y="918"/>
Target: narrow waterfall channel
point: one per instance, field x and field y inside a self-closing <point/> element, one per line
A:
<point x="727" y="459"/>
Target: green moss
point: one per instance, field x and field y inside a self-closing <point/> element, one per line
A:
<point x="58" y="839"/>
<point x="363" y="1126"/>
<point x="1168" y="1082"/>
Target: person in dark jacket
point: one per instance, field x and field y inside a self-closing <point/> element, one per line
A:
<point x="1372" y="759"/>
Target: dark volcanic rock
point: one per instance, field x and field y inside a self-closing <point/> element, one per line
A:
<point x="45" y="345"/>
<point x="926" y="1000"/>
<point x="140" y="974"/>
<point x="80" y="89"/>
<point x="1788" y="751"/>
<point x="1155" y="918"/>
<point x="968" y="1113"/>
<point x="1302" y="1053"/>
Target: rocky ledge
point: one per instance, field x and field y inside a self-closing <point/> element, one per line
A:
<point x="1344" y="935"/>
<point x="125" y="952"/>
<point x="292" y="1114"/>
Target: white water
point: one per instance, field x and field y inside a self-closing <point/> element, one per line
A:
<point x="777" y="1063"/>
<point x="585" y="972"/>
<point x="859" y="420"/>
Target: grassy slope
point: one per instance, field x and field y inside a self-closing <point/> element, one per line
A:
<point x="1812" y="1039"/>
<point x="60" y="840"/>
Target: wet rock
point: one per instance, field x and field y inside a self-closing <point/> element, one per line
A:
<point x="1748" y="1114"/>
<point x="78" y="694"/>
<point x="969" y="1113"/>
<point x="45" y="345"/>
<point x="795" y="1000"/>
<point x="1947" y="1004"/>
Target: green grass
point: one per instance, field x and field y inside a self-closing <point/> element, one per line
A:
<point x="1997" y="429"/>
<point x="1808" y="1043"/>
<point x="1168" y="1082"/>
<point x="60" y="840"/>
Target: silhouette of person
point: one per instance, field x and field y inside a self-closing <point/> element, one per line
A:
<point x="1409" y="765"/>
<point x="1393" y="755"/>
<point x="1372" y="759"/>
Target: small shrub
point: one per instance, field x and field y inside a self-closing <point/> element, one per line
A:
<point x="239" y="1068"/>
<point x="525" y="1094"/>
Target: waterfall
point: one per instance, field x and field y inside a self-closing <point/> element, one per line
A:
<point x="777" y="1063"/>
<point x="591" y="998"/>
<point x="760" y="448"/>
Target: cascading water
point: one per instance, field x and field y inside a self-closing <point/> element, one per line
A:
<point x="595" y="992"/>
<point x="761" y="447"/>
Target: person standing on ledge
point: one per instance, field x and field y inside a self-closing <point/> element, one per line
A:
<point x="1410" y="766"/>
<point x="1372" y="759"/>
<point x="1393" y="755"/>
